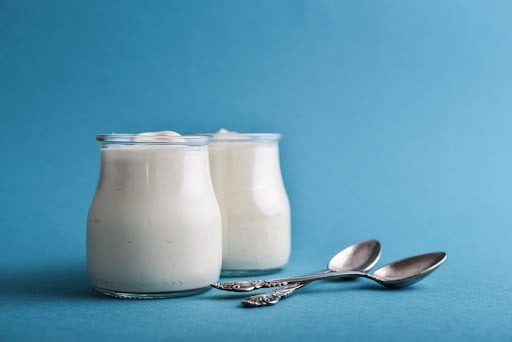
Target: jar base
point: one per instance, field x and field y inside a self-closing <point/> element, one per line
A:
<point x="248" y="273"/>
<point x="156" y="295"/>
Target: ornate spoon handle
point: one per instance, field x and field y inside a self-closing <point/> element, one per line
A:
<point x="251" y="285"/>
<point x="274" y="296"/>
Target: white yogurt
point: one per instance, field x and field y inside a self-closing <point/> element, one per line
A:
<point x="246" y="175"/>
<point x="154" y="226"/>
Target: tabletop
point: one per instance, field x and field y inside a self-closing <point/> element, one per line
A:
<point x="396" y="123"/>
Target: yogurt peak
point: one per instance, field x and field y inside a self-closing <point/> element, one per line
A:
<point x="157" y="136"/>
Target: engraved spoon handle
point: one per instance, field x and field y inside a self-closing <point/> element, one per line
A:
<point x="251" y="285"/>
<point x="274" y="296"/>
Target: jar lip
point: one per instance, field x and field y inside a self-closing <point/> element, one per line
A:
<point x="238" y="137"/>
<point x="131" y="139"/>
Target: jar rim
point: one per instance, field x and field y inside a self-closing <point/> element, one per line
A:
<point x="131" y="139"/>
<point x="239" y="137"/>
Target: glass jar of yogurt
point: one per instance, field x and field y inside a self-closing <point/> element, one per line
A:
<point x="154" y="226"/>
<point x="247" y="178"/>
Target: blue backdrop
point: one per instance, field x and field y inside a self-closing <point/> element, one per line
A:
<point x="396" y="119"/>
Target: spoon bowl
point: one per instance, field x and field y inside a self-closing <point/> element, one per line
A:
<point x="408" y="271"/>
<point x="361" y="256"/>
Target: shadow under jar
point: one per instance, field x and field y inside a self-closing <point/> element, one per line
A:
<point x="154" y="226"/>
<point x="247" y="178"/>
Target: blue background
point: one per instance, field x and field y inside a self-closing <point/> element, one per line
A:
<point x="397" y="122"/>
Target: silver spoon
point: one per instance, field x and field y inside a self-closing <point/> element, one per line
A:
<point x="358" y="257"/>
<point x="398" y="274"/>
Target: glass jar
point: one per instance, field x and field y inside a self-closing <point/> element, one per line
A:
<point x="154" y="227"/>
<point x="247" y="179"/>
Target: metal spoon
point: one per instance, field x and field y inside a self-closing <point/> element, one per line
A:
<point x="358" y="257"/>
<point x="398" y="274"/>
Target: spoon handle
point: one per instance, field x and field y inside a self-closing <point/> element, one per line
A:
<point x="274" y="296"/>
<point x="251" y="285"/>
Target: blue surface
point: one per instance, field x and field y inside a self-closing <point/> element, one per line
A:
<point x="397" y="122"/>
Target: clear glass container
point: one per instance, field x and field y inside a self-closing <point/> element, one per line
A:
<point x="154" y="226"/>
<point x="247" y="179"/>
